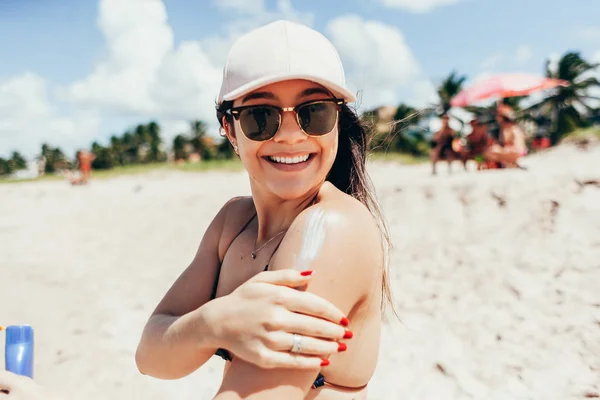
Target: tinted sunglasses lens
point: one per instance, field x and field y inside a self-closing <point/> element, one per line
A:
<point x="318" y="118"/>
<point x="259" y="123"/>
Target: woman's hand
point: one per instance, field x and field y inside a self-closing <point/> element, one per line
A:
<point x="17" y="387"/>
<point x="258" y="320"/>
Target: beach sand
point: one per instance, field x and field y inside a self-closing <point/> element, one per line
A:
<point x="496" y="277"/>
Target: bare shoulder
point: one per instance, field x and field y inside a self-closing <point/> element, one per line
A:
<point x="344" y="218"/>
<point x="238" y="206"/>
<point x="340" y="240"/>
<point x="236" y="212"/>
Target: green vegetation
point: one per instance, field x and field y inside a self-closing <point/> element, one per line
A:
<point x="584" y="133"/>
<point x="562" y="110"/>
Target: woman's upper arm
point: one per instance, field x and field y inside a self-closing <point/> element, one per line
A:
<point x="194" y="286"/>
<point x="342" y="246"/>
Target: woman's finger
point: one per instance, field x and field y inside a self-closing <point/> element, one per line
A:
<point x="306" y="345"/>
<point x="317" y="328"/>
<point x="285" y="277"/>
<point x="280" y="359"/>
<point x="310" y="304"/>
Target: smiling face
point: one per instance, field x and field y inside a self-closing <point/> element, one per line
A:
<point x="291" y="164"/>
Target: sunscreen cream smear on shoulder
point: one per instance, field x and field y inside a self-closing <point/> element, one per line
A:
<point x="314" y="236"/>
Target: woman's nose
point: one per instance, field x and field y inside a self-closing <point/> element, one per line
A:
<point x="289" y="131"/>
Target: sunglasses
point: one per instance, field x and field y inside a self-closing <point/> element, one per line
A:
<point x="261" y="122"/>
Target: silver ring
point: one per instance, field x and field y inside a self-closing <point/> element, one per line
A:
<point x="297" y="346"/>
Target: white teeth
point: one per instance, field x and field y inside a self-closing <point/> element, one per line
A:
<point x="290" y="160"/>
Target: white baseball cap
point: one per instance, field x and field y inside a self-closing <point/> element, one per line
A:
<point x="281" y="51"/>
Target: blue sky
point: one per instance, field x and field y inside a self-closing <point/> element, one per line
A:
<point x="63" y="82"/>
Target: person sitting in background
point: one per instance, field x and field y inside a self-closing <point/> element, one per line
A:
<point x="442" y="145"/>
<point x="512" y="144"/>
<point x="476" y="144"/>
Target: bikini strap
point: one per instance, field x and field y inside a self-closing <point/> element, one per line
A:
<point x="216" y="284"/>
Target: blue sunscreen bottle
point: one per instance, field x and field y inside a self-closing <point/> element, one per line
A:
<point x="18" y="351"/>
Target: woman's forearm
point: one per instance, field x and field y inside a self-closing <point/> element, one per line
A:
<point x="173" y="347"/>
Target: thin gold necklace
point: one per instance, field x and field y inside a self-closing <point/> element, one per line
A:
<point x="255" y="250"/>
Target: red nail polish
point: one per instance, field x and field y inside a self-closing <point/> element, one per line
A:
<point x="344" y="322"/>
<point x="324" y="362"/>
<point x="348" y="334"/>
<point x="342" y="347"/>
<point x="306" y="273"/>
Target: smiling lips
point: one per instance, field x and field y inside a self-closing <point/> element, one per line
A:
<point x="289" y="160"/>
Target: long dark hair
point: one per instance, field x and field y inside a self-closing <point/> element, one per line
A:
<point x="349" y="174"/>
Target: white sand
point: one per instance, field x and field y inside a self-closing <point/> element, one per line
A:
<point x="504" y="299"/>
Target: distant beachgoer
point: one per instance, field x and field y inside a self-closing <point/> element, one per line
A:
<point x="540" y="142"/>
<point x="442" y="145"/>
<point x="512" y="144"/>
<point x="476" y="144"/>
<point x="84" y="163"/>
<point x="41" y="165"/>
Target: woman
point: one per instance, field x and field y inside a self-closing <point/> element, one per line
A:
<point x="250" y="295"/>
<point x="512" y="144"/>
<point x="442" y="145"/>
<point x="477" y="143"/>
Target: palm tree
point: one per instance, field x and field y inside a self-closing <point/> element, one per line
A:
<point x="200" y="142"/>
<point x="449" y="88"/>
<point x="55" y="158"/>
<point x="566" y="107"/>
<point x="155" y="141"/>
<point x="4" y="167"/>
<point x="116" y="147"/>
<point x="18" y="161"/>
<point x="179" y="143"/>
<point x="129" y="147"/>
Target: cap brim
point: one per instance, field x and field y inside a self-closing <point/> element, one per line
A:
<point x="338" y="91"/>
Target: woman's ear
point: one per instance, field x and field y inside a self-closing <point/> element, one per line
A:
<point x="230" y="134"/>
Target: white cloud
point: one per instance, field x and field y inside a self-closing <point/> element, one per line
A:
<point x="523" y="53"/>
<point x="491" y="61"/>
<point x="377" y="61"/>
<point x="27" y="119"/>
<point x="248" y="15"/>
<point x="171" y="128"/>
<point x="424" y="93"/>
<point x="143" y="74"/>
<point x="418" y="6"/>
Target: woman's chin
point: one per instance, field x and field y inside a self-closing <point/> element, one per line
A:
<point x="290" y="191"/>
